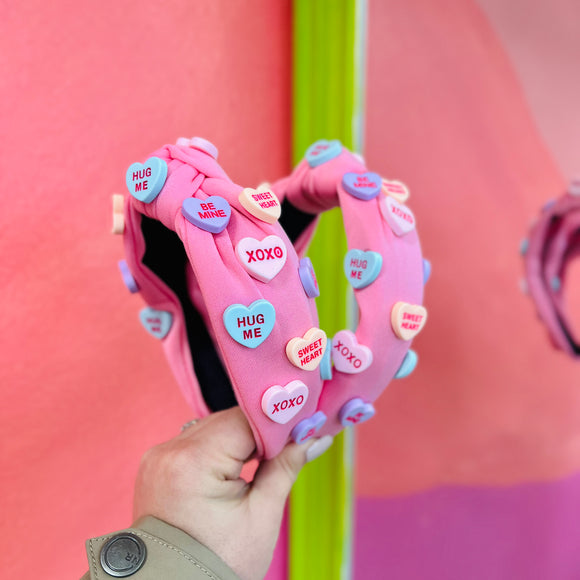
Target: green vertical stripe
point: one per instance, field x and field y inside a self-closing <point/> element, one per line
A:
<point x="327" y="104"/>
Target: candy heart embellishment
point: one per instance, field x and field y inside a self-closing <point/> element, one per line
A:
<point x="363" y="186"/>
<point x="426" y="270"/>
<point x="127" y="277"/>
<point x="307" y="352"/>
<point x="408" y="365"/>
<point x="362" y="268"/>
<point x="280" y="404"/>
<point x="354" y="412"/>
<point x="261" y="203"/>
<point x="407" y="320"/>
<point x="145" y="180"/>
<point x="308" y="278"/>
<point x="397" y="215"/>
<point x="348" y="355"/>
<point x="322" y="151"/>
<point x="250" y="325"/>
<point x="325" y="367"/>
<point x="156" y="322"/>
<point x="308" y="427"/>
<point x="262" y="259"/>
<point x="212" y="214"/>
<point x="396" y="189"/>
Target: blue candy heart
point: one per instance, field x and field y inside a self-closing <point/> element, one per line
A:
<point x="212" y="214"/>
<point x="326" y="365"/>
<point x="145" y="180"/>
<point x="362" y="268"/>
<point x="363" y="186"/>
<point x="250" y="325"/>
<point x="308" y="428"/>
<point x="354" y="412"/>
<point x="426" y="270"/>
<point x="322" y="151"/>
<point x="408" y="365"/>
<point x="156" y="322"/>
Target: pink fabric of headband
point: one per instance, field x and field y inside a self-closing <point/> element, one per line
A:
<point x="233" y="303"/>
<point x="553" y="242"/>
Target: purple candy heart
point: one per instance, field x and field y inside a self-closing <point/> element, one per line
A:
<point x="363" y="186"/>
<point x="309" y="427"/>
<point x="354" y="412"/>
<point x="128" y="279"/>
<point x="211" y="214"/>
<point x="308" y="278"/>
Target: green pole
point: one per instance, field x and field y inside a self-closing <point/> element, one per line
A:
<point x="328" y="80"/>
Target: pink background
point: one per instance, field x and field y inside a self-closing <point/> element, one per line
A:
<point x="89" y="88"/>
<point x="472" y="105"/>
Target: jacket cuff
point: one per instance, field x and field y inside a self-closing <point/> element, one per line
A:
<point x="155" y="550"/>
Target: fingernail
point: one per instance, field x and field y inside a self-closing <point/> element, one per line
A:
<point x="318" y="448"/>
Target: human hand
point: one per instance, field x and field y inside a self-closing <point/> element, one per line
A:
<point x="193" y="483"/>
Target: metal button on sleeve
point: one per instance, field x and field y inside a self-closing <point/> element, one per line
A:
<point x="123" y="555"/>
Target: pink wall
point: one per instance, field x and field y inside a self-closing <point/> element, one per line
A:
<point x="541" y="40"/>
<point x="89" y="88"/>
<point x="490" y="402"/>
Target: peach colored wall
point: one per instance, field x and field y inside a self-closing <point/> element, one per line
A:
<point x="87" y="89"/>
<point x="490" y="402"/>
<point x="541" y="39"/>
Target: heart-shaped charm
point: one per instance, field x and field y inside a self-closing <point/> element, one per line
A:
<point x="261" y="203"/>
<point x="212" y="214"/>
<point x="282" y="403"/>
<point x="362" y="268"/>
<point x="322" y="151"/>
<point x="308" y="278"/>
<point x="308" y="427"/>
<point x="306" y="352"/>
<point x="408" y="365"/>
<point x="397" y="215"/>
<point x="348" y="355"/>
<point x="118" y="214"/>
<point x="262" y="259"/>
<point x="354" y="412"/>
<point x="250" y="325"/>
<point x="128" y="279"/>
<point x="407" y="320"/>
<point x="325" y="367"/>
<point x="200" y="144"/>
<point x="156" y="322"/>
<point x="363" y="186"/>
<point x="396" y="189"/>
<point x="145" y="180"/>
<point x="426" y="270"/>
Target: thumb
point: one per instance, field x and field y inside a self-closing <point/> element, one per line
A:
<point x="275" y="477"/>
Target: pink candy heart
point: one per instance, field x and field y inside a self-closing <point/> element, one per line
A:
<point x="348" y="355"/>
<point x="280" y="403"/>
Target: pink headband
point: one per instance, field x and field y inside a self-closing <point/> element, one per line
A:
<point x="553" y="241"/>
<point x="233" y="303"/>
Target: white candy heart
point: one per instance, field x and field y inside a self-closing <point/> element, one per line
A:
<point x="262" y="259"/>
<point x="280" y="404"/>
<point x="348" y="355"/>
<point x="261" y="203"/>
<point x="397" y="215"/>
<point x="407" y="320"/>
<point x="306" y="353"/>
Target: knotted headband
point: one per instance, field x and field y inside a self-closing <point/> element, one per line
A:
<point x="231" y="298"/>
<point x="553" y="242"/>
